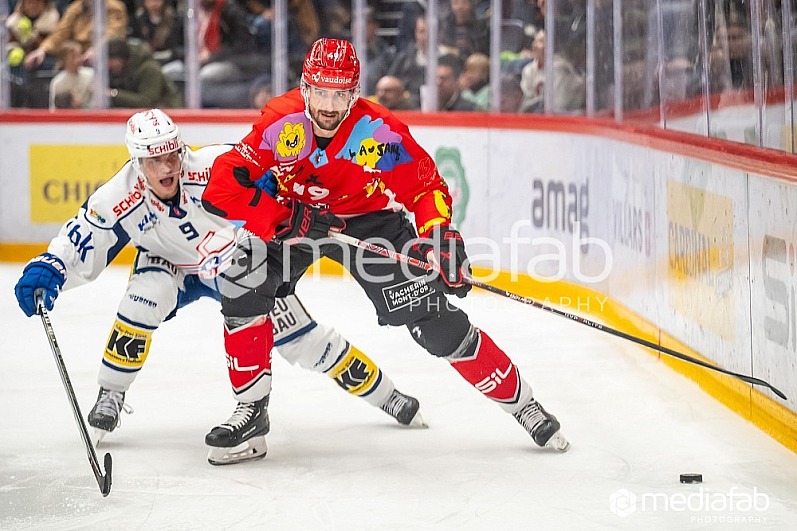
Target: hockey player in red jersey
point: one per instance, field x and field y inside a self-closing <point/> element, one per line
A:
<point x="345" y="163"/>
<point x="153" y="202"/>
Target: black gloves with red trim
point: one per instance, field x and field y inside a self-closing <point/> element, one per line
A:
<point x="443" y="248"/>
<point x="307" y="222"/>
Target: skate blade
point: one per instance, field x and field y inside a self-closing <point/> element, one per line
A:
<point x="558" y="442"/>
<point x="417" y="422"/>
<point x="97" y="436"/>
<point x="254" y="448"/>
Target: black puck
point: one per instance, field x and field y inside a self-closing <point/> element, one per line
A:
<point x="691" y="478"/>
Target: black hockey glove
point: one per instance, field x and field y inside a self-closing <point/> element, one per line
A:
<point x="307" y="222"/>
<point x="445" y="250"/>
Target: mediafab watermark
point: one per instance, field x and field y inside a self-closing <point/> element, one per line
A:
<point x="624" y="503"/>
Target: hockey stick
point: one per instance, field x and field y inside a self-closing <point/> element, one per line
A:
<point x="388" y="253"/>
<point x="104" y="481"/>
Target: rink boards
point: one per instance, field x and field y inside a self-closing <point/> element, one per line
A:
<point x="680" y="241"/>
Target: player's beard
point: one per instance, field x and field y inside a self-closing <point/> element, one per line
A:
<point x="327" y="120"/>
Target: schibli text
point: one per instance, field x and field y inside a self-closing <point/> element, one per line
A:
<point x="133" y="197"/>
<point x="199" y="176"/>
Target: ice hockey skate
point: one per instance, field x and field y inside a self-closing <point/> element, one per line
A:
<point x="104" y="417"/>
<point x="405" y="409"/>
<point x="242" y="437"/>
<point x="542" y="426"/>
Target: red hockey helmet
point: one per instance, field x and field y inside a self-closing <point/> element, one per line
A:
<point x="331" y="63"/>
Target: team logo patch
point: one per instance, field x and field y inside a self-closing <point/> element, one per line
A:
<point x="292" y="139"/>
<point x="127" y="347"/>
<point x="96" y="215"/>
<point x="357" y="375"/>
<point x="374" y="145"/>
<point x="319" y="158"/>
<point x="406" y="293"/>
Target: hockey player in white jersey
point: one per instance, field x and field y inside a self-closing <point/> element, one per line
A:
<point x="184" y="252"/>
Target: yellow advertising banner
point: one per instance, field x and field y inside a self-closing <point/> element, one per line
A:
<point x="62" y="177"/>
<point x="700" y="257"/>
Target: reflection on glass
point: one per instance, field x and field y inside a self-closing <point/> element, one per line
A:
<point x="724" y="68"/>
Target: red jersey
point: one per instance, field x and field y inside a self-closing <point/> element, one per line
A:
<point x="372" y="163"/>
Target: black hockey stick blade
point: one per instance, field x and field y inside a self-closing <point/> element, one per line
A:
<point x="389" y="253"/>
<point x="105" y="486"/>
<point x="103" y="480"/>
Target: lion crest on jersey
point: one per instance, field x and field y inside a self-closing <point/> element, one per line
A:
<point x="292" y="139"/>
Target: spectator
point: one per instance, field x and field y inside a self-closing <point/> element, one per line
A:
<point x="334" y="16"/>
<point x="538" y="16"/>
<point x="532" y="78"/>
<point x="529" y="12"/>
<point x="514" y="65"/>
<point x="136" y="79"/>
<point x="380" y="53"/>
<point x="77" y="24"/>
<point x="731" y="57"/>
<point x="463" y="31"/>
<point x="475" y="81"/>
<point x="30" y="23"/>
<point x="157" y="23"/>
<point x="569" y="81"/>
<point x="390" y="93"/>
<point x="569" y="92"/>
<point x="73" y="86"/>
<point x="410" y="63"/>
<point x="261" y="15"/>
<point x="512" y="97"/>
<point x="260" y="91"/>
<point x="411" y="11"/>
<point x="229" y="51"/>
<point x="304" y="13"/>
<point x="449" y="97"/>
<point x="511" y="94"/>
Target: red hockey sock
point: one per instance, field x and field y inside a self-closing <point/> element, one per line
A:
<point x="249" y="358"/>
<point x="490" y="371"/>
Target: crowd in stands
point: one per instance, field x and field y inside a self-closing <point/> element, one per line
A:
<point x="50" y="53"/>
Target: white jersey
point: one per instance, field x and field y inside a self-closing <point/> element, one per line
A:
<point x="125" y="210"/>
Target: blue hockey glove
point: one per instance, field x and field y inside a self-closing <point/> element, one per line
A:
<point x="445" y="250"/>
<point x="45" y="272"/>
<point x="268" y="183"/>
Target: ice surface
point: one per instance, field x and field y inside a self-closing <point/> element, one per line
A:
<point x="335" y="462"/>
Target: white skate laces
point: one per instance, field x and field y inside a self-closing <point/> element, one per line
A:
<point x="405" y="409"/>
<point x="394" y="403"/>
<point x="542" y="426"/>
<point x="242" y="436"/>
<point x="110" y="404"/>
<point x="242" y="414"/>
<point x="105" y="416"/>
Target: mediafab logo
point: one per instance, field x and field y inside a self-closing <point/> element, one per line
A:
<point x="624" y="503"/>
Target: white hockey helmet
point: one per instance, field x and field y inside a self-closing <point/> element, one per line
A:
<point x="150" y="134"/>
